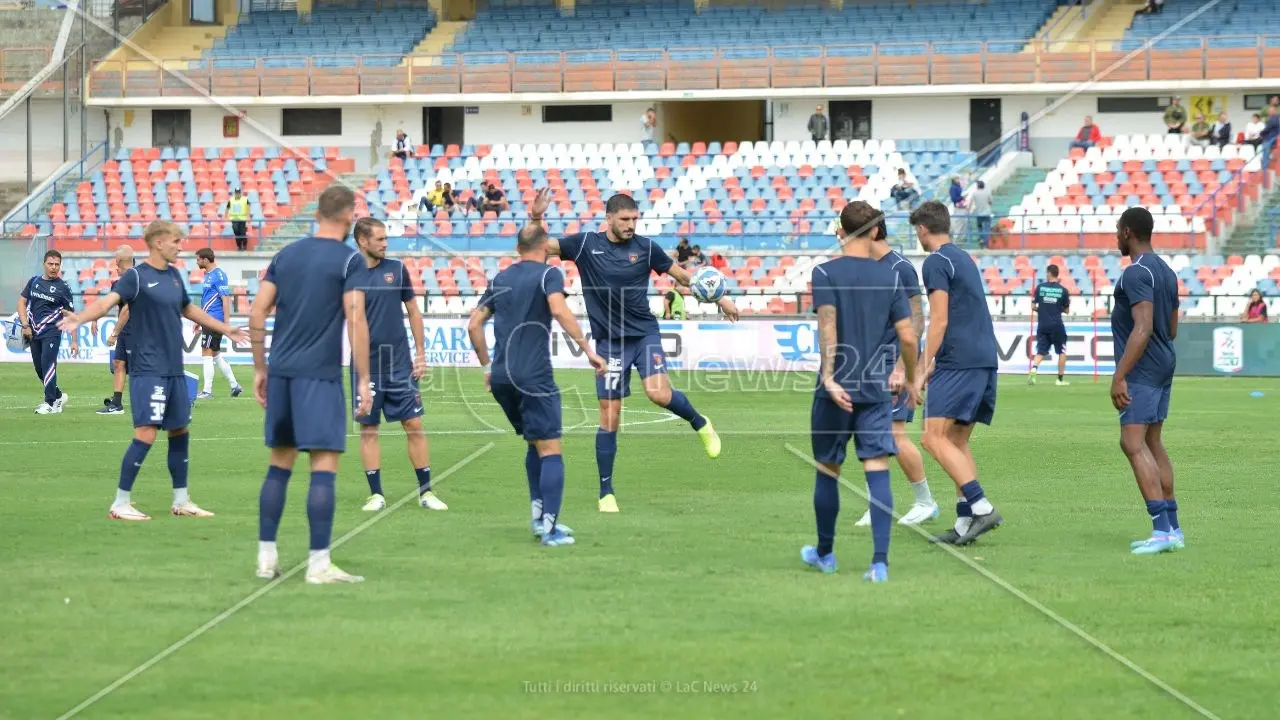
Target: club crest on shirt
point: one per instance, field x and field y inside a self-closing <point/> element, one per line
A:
<point x="389" y="278"/>
<point x="633" y="257"/>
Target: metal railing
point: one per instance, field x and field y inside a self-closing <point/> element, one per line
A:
<point x="801" y="66"/>
<point x="33" y="207"/>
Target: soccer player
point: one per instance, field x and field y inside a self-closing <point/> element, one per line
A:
<point x="959" y="364"/>
<point x="119" y="339"/>
<point x="924" y="508"/>
<point x="522" y="300"/>
<point x="215" y="300"/>
<point x="157" y="385"/>
<point x="312" y="284"/>
<point x="857" y="299"/>
<point x="1049" y="302"/>
<point x="45" y="300"/>
<point x="388" y="294"/>
<point x="614" y="266"/>
<point x="1144" y="322"/>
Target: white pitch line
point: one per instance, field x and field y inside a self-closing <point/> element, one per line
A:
<point x="217" y="619"/>
<point x="1044" y="610"/>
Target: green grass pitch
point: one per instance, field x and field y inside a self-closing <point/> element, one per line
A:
<point x="690" y="603"/>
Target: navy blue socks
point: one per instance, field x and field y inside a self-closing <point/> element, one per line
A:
<point x="424" y="480"/>
<point x="1159" y="512"/>
<point x="320" y="507"/>
<point x="681" y="406"/>
<point x="881" y="513"/>
<point x="178" y="457"/>
<point x="1171" y="509"/>
<point x="606" y="451"/>
<point x="826" y="507"/>
<point x="551" y="484"/>
<point x="271" y="502"/>
<point x="375" y="481"/>
<point x="533" y="474"/>
<point x="132" y="463"/>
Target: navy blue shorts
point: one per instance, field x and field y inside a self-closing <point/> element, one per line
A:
<point x="534" y="411"/>
<point x="902" y="413"/>
<point x="1055" y="338"/>
<point x="305" y="413"/>
<point x="160" y="402"/>
<point x="394" y="398"/>
<point x="870" y="427"/>
<point x="1147" y="405"/>
<point x="966" y="396"/>
<point x="121" y="352"/>
<point x="644" y="354"/>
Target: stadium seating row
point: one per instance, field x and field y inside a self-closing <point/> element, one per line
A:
<point x="773" y="284"/>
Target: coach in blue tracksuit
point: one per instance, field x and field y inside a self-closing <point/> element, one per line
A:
<point x="44" y="300"/>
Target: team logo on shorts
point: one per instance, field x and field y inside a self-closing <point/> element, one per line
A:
<point x="657" y="360"/>
<point x="389" y="278"/>
<point x="633" y="257"/>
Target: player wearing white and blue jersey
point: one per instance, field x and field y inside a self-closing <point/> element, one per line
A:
<point x="858" y="300"/>
<point x="959" y="364"/>
<point x="522" y="300"/>
<point x="614" y="266"/>
<point x="312" y="285"/>
<point x="1144" y="323"/>
<point x="158" y="396"/>
<point x="215" y="299"/>
<point x="393" y="372"/>
<point x="44" y="301"/>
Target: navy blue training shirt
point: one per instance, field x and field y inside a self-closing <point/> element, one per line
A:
<point x="310" y="276"/>
<point x="615" y="282"/>
<point x="45" y="300"/>
<point x="386" y="289"/>
<point x="970" y="340"/>
<point x="910" y="282"/>
<point x="1148" y="279"/>
<point x="868" y="298"/>
<point x="1051" y="301"/>
<point x="517" y="297"/>
<point x="156" y="299"/>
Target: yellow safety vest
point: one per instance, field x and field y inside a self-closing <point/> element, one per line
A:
<point x="238" y="209"/>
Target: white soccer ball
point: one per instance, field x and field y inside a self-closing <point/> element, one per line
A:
<point x="707" y="284"/>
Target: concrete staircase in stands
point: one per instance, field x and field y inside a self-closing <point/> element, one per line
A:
<point x="1255" y="234"/>
<point x="302" y="221"/>
<point x="1012" y="191"/>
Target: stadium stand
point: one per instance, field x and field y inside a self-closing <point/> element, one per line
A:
<point x="517" y="25"/>
<point x="1187" y="187"/>
<point x="1234" y="24"/>
<point x="773" y="284"/>
<point x="189" y="187"/>
<point x="386" y="33"/>
<point x="750" y="195"/>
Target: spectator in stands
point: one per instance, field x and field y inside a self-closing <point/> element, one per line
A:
<point x="980" y="210"/>
<point x="1153" y="7"/>
<point x="403" y="148"/>
<point x="1253" y="130"/>
<point x="1175" y="116"/>
<point x="433" y="199"/>
<point x="1201" y="131"/>
<point x="448" y="200"/>
<point x="1256" y="312"/>
<point x="1088" y="136"/>
<point x="237" y="212"/>
<point x="957" y="193"/>
<point x="494" y="199"/>
<point x="673" y="305"/>
<point x="1270" y="128"/>
<point x="818" y="125"/>
<point x="683" y="252"/>
<point x="905" y="190"/>
<point x="697" y="259"/>
<point x="1221" y="133"/>
<point x="649" y="124"/>
<point x="1274" y="105"/>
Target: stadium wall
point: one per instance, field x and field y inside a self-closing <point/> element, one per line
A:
<point x="46" y="138"/>
<point x="934" y="117"/>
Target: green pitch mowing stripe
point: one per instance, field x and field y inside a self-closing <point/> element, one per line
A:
<point x="690" y="603"/>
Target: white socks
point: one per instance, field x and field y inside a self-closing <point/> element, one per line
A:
<point x="317" y="561"/>
<point x="537" y="510"/>
<point x="982" y="507"/>
<point x="122" y="498"/>
<point x="208" y="374"/>
<point x="180" y="497"/>
<point x="224" y="367"/>
<point x="921" y="489"/>
<point x="962" y="524"/>
<point x="267" y="553"/>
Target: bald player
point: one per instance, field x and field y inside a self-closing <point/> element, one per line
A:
<point x="119" y="339"/>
